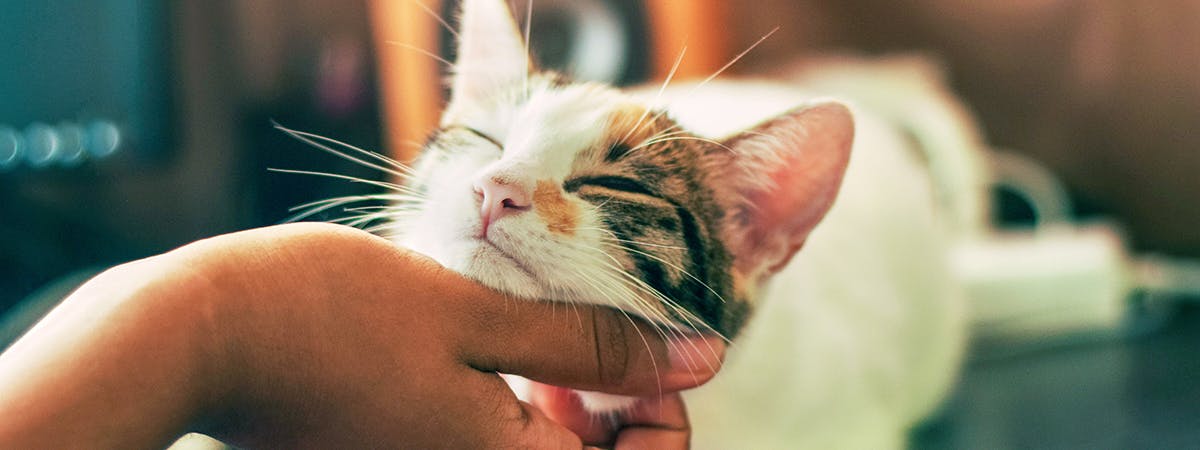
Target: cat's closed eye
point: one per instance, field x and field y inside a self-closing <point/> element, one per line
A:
<point x="610" y="182"/>
<point x="483" y="136"/>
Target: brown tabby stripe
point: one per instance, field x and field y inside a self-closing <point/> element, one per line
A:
<point x="632" y="220"/>
<point x="655" y="199"/>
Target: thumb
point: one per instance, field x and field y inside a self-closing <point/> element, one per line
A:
<point x="598" y="349"/>
<point x="536" y="430"/>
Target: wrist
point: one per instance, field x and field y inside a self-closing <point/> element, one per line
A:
<point x="124" y="362"/>
<point x="273" y="295"/>
<point x="211" y="334"/>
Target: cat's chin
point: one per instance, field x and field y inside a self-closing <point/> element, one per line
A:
<point x="480" y="261"/>
<point x="496" y="269"/>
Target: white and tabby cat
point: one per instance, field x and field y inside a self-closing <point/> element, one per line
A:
<point x="685" y="206"/>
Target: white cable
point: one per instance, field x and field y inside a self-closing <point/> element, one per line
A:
<point x="1168" y="276"/>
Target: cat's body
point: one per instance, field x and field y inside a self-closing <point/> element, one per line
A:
<point x="686" y="208"/>
<point x="860" y="336"/>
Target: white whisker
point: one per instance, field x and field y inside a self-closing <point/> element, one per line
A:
<point x="649" y="312"/>
<point x="669" y="132"/>
<point x="685" y="138"/>
<point x="647" y="244"/>
<point x="646" y="342"/>
<point x="383" y="184"/>
<point x="719" y="72"/>
<point x="736" y="59"/>
<point x="683" y="313"/>
<point x="438" y="18"/>
<point x="673" y="266"/>
<point x="355" y="199"/>
<point x="657" y="315"/>
<point x="423" y="52"/>
<point x="314" y="208"/>
<point x="310" y="138"/>
<point x="671" y="75"/>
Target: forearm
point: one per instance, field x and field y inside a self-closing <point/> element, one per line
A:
<point x="308" y="336"/>
<point x="154" y="348"/>
<point x="124" y="362"/>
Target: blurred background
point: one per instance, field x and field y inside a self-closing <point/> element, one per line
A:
<point x="130" y="127"/>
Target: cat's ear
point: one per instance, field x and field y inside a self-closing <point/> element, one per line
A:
<point x="786" y="173"/>
<point x="491" y="53"/>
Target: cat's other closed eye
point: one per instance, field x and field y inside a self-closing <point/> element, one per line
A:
<point x="610" y="182"/>
<point x="478" y="134"/>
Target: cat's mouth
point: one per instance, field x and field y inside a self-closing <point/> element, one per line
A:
<point x="489" y="250"/>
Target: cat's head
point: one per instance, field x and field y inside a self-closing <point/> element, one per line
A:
<point x="545" y="188"/>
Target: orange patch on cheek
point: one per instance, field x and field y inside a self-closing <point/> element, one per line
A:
<point x="559" y="213"/>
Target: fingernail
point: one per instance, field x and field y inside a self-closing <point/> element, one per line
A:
<point x="696" y="355"/>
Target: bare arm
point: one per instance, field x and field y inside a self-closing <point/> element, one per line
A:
<point x="312" y="336"/>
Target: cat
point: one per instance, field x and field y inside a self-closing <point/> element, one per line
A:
<point x="806" y="231"/>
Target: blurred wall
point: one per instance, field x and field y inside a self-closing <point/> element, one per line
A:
<point x="1107" y="93"/>
<point x="102" y="213"/>
<point x="235" y="65"/>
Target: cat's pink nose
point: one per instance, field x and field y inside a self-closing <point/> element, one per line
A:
<point x="500" y="200"/>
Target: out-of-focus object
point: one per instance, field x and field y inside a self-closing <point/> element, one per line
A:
<point x="1031" y="284"/>
<point x="1169" y="276"/>
<point x="608" y="40"/>
<point x="595" y="40"/>
<point x="83" y="81"/>
<point x="130" y="127"/>
<point x="911" y="92"/>
<point x="1053" y="283"/>
<point x="1103" y="93"/>
<point x="1061" y="282"/>
<point x="1038" y="286"/>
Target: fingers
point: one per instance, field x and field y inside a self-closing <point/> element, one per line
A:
<point x="653" y="423"/>
<point x="586" y="347"/>
<point x="656" y="423"/>
<point x="572" y="345"/>
<point x="479" y="411"/>
<point x="538" y="431"/>
<point x="564" y="407"/>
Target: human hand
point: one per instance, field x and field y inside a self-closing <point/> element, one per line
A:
<point x="319" y="336"/>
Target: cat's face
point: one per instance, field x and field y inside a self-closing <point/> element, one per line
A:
<point x="605" y="204"/>
<point x="548" y="189"/>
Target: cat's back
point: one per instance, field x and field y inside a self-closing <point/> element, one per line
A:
<point x="861" y="334"/>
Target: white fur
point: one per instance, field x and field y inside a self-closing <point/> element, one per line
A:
<point x="542" y="137"/>
<point x="855" y="341"/>
<point x="491" y="55"/>
<point x="861" y="335"/>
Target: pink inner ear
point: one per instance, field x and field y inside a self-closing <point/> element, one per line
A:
<point x="804" y="154"/>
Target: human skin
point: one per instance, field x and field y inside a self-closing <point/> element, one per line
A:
<point x="319" y="336"/>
